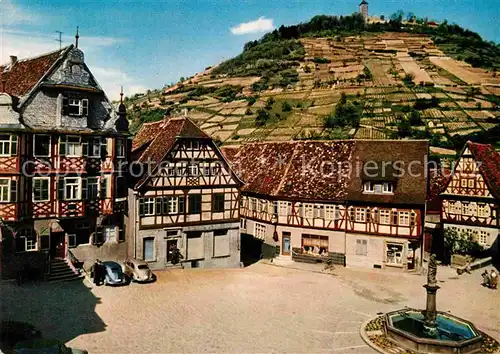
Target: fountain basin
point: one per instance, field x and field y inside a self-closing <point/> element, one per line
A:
<point x="453" y="334"/>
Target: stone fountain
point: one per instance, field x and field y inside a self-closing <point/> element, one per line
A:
<point x="431" y="331"/>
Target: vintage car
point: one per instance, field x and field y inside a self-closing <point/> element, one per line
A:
<point x="138" y="271"/>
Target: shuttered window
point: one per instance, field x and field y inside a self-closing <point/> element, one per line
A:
<point x="361" y="247"/>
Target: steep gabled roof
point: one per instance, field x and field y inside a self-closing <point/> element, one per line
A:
<point x="21" y="77"/>
<point x="329" y="170"/>
<point x="438" y="180"/>
<point x="164" y="135"/>
<point x="489" y="165"/>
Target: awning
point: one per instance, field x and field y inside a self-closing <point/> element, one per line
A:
<point x="55" y="226"/>
<point x="42" y="227"/>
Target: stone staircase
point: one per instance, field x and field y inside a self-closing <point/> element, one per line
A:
<point x="60" y="270"/>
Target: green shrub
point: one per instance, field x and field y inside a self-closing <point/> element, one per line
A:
<point x="321" y="60"/>
<point x="286" y="107"/>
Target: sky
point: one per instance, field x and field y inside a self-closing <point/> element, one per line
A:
<point x="148" y="44"/>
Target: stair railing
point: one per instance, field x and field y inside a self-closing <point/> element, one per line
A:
<point x="73" y="263"/>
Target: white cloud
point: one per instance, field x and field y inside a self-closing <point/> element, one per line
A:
<point x="112" y="79"/>
<point x="262" y="24"/>
<point x="28" y="44"/>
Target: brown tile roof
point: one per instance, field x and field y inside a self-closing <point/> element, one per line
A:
<point x="329" y="170"/>
<point x="489" y="165"/>
<point x="411" y="155"/>
<point x="164" y="135"/>
<point x="21" y="77"/>
<point x="147" y="133"/>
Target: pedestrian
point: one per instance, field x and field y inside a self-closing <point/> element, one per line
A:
<point x="95" y="272"/>
<point x="486" y="279"/>
<point x="102" y="274"/>
<point x="493" y="279"/>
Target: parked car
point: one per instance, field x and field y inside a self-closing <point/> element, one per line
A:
<point x="45" y="346"/>
<point x="138" y="271"/>
<point x="113" y="274"/>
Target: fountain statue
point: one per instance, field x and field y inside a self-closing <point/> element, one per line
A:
<point x="430" y="311"/>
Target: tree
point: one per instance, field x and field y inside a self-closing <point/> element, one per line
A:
<point x="382" y="17"/>
<point x="410" y="17"/>
<point x="262" y="117"/>
<point x="397" y="16"/>
<point x="269" y="103"/>
<point x="404" y="128"/>
<point x="408" y="79"/>
<point x="455" y="243"/>
<point x="286" y="107"/>
<point x="414" y="118"/>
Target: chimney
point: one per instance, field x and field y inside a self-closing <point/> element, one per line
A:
<point x="13" y="60"/>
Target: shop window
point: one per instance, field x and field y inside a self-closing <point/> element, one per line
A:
<point x="148" y="253"/>
<point x="315" y="245"/>
<point x="394" y="254"/>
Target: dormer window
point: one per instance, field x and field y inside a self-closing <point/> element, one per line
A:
<point x="76" y="106"/>
<point x="378" y="187"/>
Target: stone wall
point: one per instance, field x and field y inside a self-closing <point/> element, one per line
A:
<point x="108" y="251"/>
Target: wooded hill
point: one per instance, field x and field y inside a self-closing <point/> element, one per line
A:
<point x="337" y="77"/>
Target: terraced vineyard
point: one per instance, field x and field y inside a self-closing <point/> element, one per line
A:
<point x="407" y="72"/>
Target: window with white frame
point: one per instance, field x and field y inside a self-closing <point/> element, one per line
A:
<point x="466" y="210"/>
<point x="4" y="190"/>
<point x="193" y="170"/>
<point x="94" y="149"/>
<point x="319" y="211"/>
<point x="76" y="106"/>
<point x="378" y="187"/>
<point x="262" y="205"/>
<point x="260" y="231"/>
<point x="26" y="240"/>
<point x="41" y="145"/>
<point x="92" y="191"/>
<point x="360" y="215"/>
<point x="463" y="182"/>
<point x="8" y="145"/>
<point x="483" y="237"/>
<point x="483" y="210"/>
<point x="404" y="218"/>
<point x="70" y="146"/>
<point x="147" y="206"/>
<point x="385" y="216"/>
<point x="394" y="254"/>
<point x="243" y="223"/>
<point x="330" y="212"/>
<point x="72" y="188"/>
<point x="361" y="247"/>
<point x="283" y="208"/>
<point x="41" y="187"/>
<point x="308" y="210"/>
<point x="253" y="204"/>
<point x="121" y="148"/>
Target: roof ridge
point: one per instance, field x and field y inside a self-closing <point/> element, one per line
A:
<point x="37" y="56"/>
<point x="285" y="173"/>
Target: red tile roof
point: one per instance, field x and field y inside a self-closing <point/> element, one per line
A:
<point x="327" y="170"/>
<point x="489" y="165"/>
<point x="163" y="135"/>
<point x="20" y="78"/>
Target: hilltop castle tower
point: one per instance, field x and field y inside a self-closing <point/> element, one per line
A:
<point x="363" y="10"/>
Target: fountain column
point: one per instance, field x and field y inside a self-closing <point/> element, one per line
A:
<point x="430" y="312"/>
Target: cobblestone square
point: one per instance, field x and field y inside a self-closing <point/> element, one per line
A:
<point x="261" y="308"/>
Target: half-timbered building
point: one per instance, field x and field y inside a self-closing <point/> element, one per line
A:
<point x="61" y="142"/>
<point x="351" y="202"/>
<point x="470" y="200"/>
<point x="185" y="197"/>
